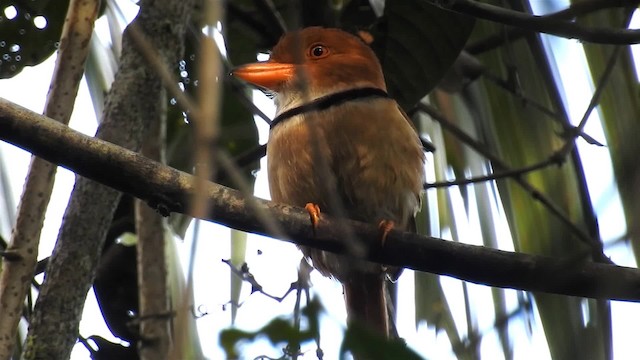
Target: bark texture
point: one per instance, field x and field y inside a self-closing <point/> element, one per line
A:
<point x="153" y="287"/>
<point x="16" y="275"/>
<point x="133" y="102"/>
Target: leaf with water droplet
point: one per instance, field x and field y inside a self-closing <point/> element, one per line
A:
<point x="29" y="33"/>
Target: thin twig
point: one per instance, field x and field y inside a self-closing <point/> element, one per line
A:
<point x="293" y="349"/>
<point x="473" y="340"/>
<point x="597" y="94"/>
<point x="595" y="100"/>
<point x="237" y="179"/>
<point x="505" y="85"/>
<point x="239" y="90"/>
<point x="552" y="160"/>
<point x="243" y="273"/>
<point x="250" y="156"/>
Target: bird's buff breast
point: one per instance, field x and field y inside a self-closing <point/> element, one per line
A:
<point x="373" y="164"/>
<point x="351" y="161"/>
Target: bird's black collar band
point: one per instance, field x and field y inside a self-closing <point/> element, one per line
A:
<point x="328" y="101"/>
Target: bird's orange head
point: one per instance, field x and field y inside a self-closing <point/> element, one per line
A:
<point x="323" y="60"/>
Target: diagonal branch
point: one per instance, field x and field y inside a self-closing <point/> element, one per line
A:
<point x="169" y="190"/>
<point x="543" y="24"/>
<point x="574" y="10"/>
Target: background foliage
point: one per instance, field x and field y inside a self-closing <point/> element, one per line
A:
<point x="499" y="106"/>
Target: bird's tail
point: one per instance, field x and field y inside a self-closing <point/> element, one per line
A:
<point x="366" y="302"/>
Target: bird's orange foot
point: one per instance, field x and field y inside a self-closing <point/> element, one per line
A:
<point x="385" y="226"/>
<point x="314" y="215"/>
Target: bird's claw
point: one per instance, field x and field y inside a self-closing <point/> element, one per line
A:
<point x="314" y="215"/>
<point x="385" y="227"/>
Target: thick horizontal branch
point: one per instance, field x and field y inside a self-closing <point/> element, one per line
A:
<point x="543" y="24"/>
<point x="169" y="190"/>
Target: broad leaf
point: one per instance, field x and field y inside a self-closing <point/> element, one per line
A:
<point x="417" y="43"/>
<point x="31" y="34"/>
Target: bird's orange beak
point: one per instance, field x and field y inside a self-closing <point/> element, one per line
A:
<point x="267" y="74"/>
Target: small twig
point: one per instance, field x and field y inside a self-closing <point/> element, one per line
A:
<point x="251" y="156"/>
<point x="135" y="321"/>
<point x="244" y="274"/>
<point x="244" y="99"/>
<point x="544" y="24"/>
<point x="575" y="132"/>
<point x="552" y="160"/>
<point x="86" y="344"/>
<point x="265" y="357"/>
<point x="538" y="106"/>
<point x="474" y="339"/>
<point x="11" y="255"/>
<point x="597" y="94"/>
<point x="238" y="87"/>
<point x="622" y="239"/>
<point x="303" y="285"/>
<point x="236" y="177"/>
<point x="28" y="310"/>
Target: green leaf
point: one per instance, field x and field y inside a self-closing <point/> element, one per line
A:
<point x="367" y="344"/>
<point x="22" y="43"/>
<point x="278" y="331"/>
<point x="238" y="252"/>
<point x="417" y="43"/>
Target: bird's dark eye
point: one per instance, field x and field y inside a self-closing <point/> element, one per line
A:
<point x="318" y="51"/>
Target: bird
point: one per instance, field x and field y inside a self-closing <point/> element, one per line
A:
<point x="340" y="145"/>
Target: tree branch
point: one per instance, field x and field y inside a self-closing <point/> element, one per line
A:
<point x="542" y="24"/>
<point x="168" y="190"/>
<point x="573" y="11"/>
<point x="134" y="99"/>
<point x="25" y="236"/>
